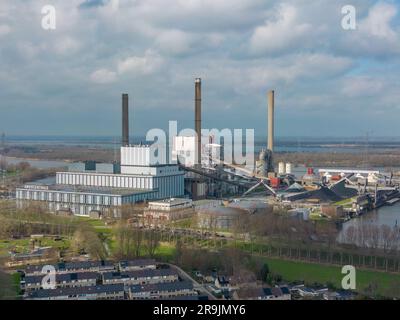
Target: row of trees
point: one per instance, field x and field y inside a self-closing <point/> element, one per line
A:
<point x="374" y="237"/>
<point x="132" y="242"/>
<point x="32" y="219"/>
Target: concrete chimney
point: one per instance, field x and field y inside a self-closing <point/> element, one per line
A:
<point x="271" y="106"/>
<point x="197" y="119"/>
<point x="125" y="120"/>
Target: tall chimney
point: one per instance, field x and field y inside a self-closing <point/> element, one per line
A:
<point x="197" y="119"/>
<point x="271" y="106"/>
<point x="125" y="120"/>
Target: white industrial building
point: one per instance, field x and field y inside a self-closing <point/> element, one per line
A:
<point x="89" y="190"/>
<point x="96" y="187"/>
<point x="184" y="151"/>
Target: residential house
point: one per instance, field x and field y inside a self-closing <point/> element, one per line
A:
<point x="100" y="292"/>
<point x="144" y="276"/>
<point x="161" y="290"/>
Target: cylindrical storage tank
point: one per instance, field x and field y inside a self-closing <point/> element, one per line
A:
<point x="288" y="168"/>
<point x="281" y="168"/>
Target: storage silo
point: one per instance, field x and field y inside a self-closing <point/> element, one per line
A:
<point x="281" y="168"/>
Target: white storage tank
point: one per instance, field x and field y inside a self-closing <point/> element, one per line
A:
<point x="281" y="168"/>
<point x="288" y="168"/>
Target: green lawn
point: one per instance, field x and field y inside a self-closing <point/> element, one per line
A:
<point x="387" y="284"/>
<point x="23" y="245"/>
<point x="16" y="278"/>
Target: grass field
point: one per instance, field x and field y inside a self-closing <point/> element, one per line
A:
<point x="386" y="284"/>
<point x="23" y="245"/>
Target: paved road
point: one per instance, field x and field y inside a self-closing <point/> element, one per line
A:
<point x="197" y="286"/>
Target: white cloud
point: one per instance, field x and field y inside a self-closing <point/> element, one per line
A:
<point x="66" y="45"/>
<point x="4" y="29"/>
<point x="375" y="37"/>
<point x="362" y="86"/>
<point x="103" y="76"/>
<point x="378" y="21"/>
<point x="173" y="42"/>
<point x="284" y="32"/>
<point x="146" y="64"/>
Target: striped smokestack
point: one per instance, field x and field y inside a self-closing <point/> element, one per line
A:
<point x="271" y="106"/>
<point x="125" y="120"/>
<point x="197" y="119"/>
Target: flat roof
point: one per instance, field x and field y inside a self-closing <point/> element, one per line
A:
<point x="88" y="189"/>
<point x="171" y="201"/>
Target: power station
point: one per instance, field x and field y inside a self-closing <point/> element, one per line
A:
<point x="196" y="170"/>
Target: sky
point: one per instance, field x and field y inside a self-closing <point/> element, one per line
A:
<point x="328" y="81"/>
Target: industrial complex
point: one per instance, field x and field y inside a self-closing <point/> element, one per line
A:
<point x="197" y="170"/>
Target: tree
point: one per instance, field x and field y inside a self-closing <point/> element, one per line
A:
<point x="7" y="290"/>
<point x="86" y="240"/>
<point x="264" y="272"/>
<point x="129" y="240"/>
<point x="152" y="242"/>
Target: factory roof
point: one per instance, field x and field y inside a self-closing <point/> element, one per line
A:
<point x="89" y="189"/>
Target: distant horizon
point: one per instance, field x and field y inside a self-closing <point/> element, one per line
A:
<point x="257" y="137"/>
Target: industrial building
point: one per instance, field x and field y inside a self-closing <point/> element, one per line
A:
<point x="98" y="187"/>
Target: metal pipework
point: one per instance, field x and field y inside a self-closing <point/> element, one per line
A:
<point x="125" y="120"/>
<point x="271" y="106"/>
<point x="197" y="119"/>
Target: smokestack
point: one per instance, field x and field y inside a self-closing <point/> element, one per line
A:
<point x="125" y="120"/>
<point x="197" y="119"/>
<point x="271" y="106"/>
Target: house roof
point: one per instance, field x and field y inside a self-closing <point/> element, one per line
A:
<point x="75" y="265"/>
<point x="223" y="280"/>
<point x="53" y="293"/>
<point x="144" y="273"/>
<point x="137" y="263"/>
<point x="67" y="277"/>
<point x="162" y="287"/>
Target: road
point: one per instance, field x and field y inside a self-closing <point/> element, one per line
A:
<point x="197" y="286"/>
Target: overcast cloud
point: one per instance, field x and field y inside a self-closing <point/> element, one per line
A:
<point x="328" y="81"/>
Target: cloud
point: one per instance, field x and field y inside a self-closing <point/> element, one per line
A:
<point x="92" y="4"/>
<point x="240" y="48"/>
<point x="174" y="42"/>
<point x="67" y="45"/>
<point x="357" y="86"/>
<point x="378" y="21"/>
<point x="146" y="64"/>
<point x="103" y="76"/>
<point x="282" y="32"/>
<point x="375" y="37"/>
<point x="4" y="30"/>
